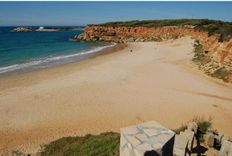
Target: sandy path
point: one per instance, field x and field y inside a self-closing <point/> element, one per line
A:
<point x="154" y="82"/>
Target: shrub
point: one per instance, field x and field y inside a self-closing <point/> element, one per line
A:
<point x="203" y="126"/>
<point x="89" y="145"/>
<point x="221" y="73"/>
<point x="17" y="153"/>
<point x="199" y="54"/>
<point x="180" y="129"/>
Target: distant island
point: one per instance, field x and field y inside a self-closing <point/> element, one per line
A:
<point x="44" y="29"/>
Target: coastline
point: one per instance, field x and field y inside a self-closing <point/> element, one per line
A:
<point x="20" y="77"/>
<point x="106" y="93"/>
<point x="56" y="61"/>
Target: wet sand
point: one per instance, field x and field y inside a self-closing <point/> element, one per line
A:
<point x="156" y="81"/>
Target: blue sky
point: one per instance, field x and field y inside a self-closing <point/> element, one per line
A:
<point x="82" y="13"/>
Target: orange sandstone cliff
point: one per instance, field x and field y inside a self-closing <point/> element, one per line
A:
<point x="219" y="54"/>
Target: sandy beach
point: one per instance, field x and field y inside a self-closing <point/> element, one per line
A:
<point x="156" y="81"/>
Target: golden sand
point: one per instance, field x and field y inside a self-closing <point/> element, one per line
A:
<point x="156" y="81"/>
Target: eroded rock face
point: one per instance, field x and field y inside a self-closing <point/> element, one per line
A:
<point x="219" y="53"/>
<point x="127" y="34"/>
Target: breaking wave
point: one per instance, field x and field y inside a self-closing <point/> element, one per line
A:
<point x="50" y="61"/>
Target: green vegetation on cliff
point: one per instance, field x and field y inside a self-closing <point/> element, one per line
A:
<point x="221" y="73"/>
<point x="89" y="145"/>
<point x="200" y="58"/>
<point x="104" y="144"/>
<point x="221" y="29"/>
<point x="199" y="53"/>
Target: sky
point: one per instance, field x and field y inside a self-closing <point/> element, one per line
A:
<point x="82" y="13"/>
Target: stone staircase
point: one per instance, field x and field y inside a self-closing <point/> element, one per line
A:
<point x="153" y="139"/>
<point x="145" y="139"/>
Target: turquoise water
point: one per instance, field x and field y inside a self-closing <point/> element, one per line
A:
<point x="21" y="51"/>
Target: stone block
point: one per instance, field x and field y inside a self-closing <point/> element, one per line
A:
<point x="209" y="139"/>
<point x="226" y="148"/>
<point x="183" y="143"/>
<point x="192" y="126"/>
<point x="225" y="137"/>
<point x="145" y="139"/>
<point x="220" y="137"/>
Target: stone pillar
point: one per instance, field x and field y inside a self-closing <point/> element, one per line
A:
<point x="226" y="148"/>
<point x="149" y="138"/>
<point x="209" y="139"/>
<point x="183" y="143"/>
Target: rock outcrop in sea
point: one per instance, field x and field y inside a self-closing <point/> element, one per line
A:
<point x="45" y="29"/>
<point x="218" y="54"/>
<point x="22" y="29"/>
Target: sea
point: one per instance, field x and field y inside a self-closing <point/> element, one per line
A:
<point x="26" y="51"/>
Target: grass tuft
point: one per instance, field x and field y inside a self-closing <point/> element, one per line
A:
<point x="105" y="144"/>
<point x="203" y="126"/>
<point x="182" y="128"/>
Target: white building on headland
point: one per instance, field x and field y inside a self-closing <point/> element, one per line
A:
<point x="41" y="28"/>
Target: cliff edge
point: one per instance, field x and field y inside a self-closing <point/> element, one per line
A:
<point x="212" y="54"/>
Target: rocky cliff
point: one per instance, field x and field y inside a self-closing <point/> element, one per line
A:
<point x="217" y="55"/>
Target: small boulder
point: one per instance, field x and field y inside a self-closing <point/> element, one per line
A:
<point x="209" y="139"/>
<point x="21" y="29"/>
<point x="226" y="148"/>
<point x="192" y="126"/>
<point x="131" y="39"/>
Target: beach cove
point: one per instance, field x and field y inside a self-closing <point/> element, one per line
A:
<point x="154" y="81"/>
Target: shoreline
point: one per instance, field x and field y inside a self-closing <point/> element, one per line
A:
<point x="85" y="56"/>
<point x="107" y="93"/>
<point x="50" y="62"/>
<point x="19" y="77"/>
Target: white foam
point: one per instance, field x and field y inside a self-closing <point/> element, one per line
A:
<point x="36" y="63"/>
